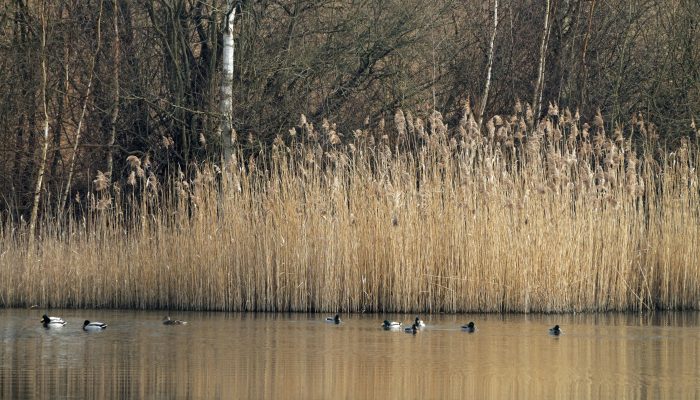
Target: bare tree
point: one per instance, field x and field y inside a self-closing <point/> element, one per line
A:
<point x="539" y="86"/>
<point x="226" y="106"/>
<point x="45" y="147"/>
<point x="343" y="61"/>
<point x="489" y="66"/>
<point x="58" y="127"/>
<point x="584" y="51"/>
<point x="115" y="104"/>
<point x="78" y="132"/>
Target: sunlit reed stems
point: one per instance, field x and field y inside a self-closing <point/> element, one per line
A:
<point x="525" y="216"/>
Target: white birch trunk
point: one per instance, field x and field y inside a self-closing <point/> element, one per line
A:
<point x="539" y="86"/>
<point x="485" y="95"/>
<point x="45" y="147"/>
<point x="226" y="105"/>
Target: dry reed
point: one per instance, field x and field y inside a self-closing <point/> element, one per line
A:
<point x="523" y="217"/>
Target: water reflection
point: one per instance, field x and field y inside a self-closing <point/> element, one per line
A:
<point x="219" y="355"/>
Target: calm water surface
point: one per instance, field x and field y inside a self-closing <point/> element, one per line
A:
<point x="256" y="356"/>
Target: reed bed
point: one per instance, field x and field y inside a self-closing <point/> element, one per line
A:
<point x="413" y="215"/>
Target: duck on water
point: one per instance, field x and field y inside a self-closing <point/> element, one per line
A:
<point x="168" y="321"/>
<point x="413" y="329"/>
<point x="391" y="325"/>
<point x="52" y="322"/>
<point x="470" y="327"/>
<point x="94" y="326"/>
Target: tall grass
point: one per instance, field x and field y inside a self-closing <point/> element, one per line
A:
<point x="518" y="216"/>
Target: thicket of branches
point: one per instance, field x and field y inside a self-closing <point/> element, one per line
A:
<point x="140" y="78"/>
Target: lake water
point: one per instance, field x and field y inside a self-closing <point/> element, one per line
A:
<point x="256" y="356"/>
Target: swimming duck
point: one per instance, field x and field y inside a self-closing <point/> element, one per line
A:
<point x="334" y="320"/>
<point x="51" y="322"/>
<point x="555" y="331"/>
<point x="388" y="325"/>
<point x="419" y="323"/>
<point x="168" y="321"/>
<point x="94" y="326"/>
<point x="412" y="329"/>
<point x="470" y="327"/>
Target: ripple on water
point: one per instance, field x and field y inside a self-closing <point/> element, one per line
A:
<point x="300" y="356"/>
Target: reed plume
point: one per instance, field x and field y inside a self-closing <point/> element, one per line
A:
<point x="524" y="216"/>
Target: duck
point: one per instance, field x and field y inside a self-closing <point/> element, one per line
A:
<point x="52" y="322"/>
<point x="470" y="327"/>
<point x="334" y="320"/>
<point x="413" y="328"/>
<point x="94" y="326"/>
<point x="419" y="323"/>
<point x="389" y="325"/>
<point x="555" y="331"/>
<point x="168" y="321"/>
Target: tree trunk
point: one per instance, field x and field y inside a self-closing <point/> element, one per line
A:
<point x="58" y="128"/>
<point x="584" y="76"/>
<point x="45" y="147"/>
<point x="66" y="192"/>
<point x="115" y="104"/>
<point x="485" y="95"/>
<point x="23" y="37"/>
<point x="539" y="86"/>
<point x="226" y="106"/>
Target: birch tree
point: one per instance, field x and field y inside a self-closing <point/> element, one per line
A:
<point x="226" y="106"/>
<point x="485" y="95"/>
<point x="45" y="146"/>
<point x="539" y="86"/>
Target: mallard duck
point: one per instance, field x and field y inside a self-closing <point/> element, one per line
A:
<point x="412" y="329"/>
<point x="94" y="326"/>
<point x="555" y="331"/>
<point x="419" y="323"/>
<point x="334" y="320"/>
<point x="470" y="327"/>
<point x="51" y="322"/>
<point x="388" y="325"/>
<point x="168" y="321"/>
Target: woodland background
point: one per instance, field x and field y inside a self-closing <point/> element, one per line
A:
<point x="147" y="74"/>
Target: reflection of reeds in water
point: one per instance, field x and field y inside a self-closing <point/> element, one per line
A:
<point x="555" y="216"/>
<point x="609" y="355"/>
